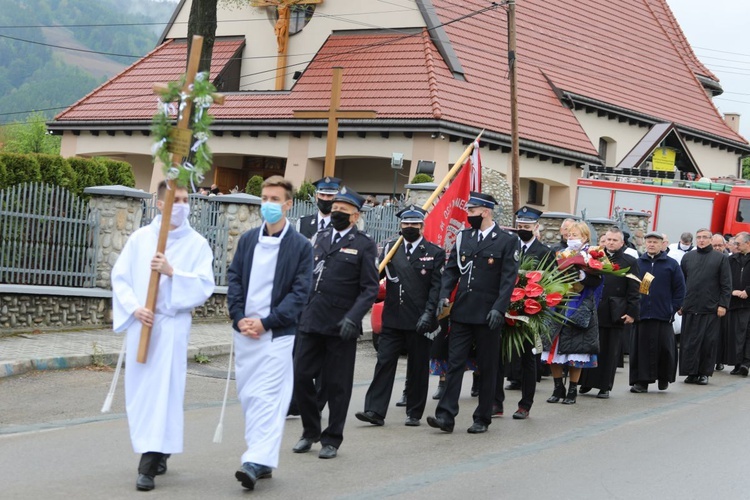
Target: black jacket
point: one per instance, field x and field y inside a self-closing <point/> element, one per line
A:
<point x="490" y="271"/>
<point x="540" y="252"/>
<point x="708" y="282"/>
<point x="740" y="280"/>
<point x="345" y="281"/>
<point x="403" y="304"/>
<point x="291" y="281"/>
<point x="667" y="290"/>
<point x="620" y="295"/>
<point x="309" y="225"/>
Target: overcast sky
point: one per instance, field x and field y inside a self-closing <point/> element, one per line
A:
<point x="716" y="31"/>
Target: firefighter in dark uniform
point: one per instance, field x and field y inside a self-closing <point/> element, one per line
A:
<point x="484" y="263"/>
<point x="325" y="189"/>
<point x="345" y="285"/>
<point x="412" y="289"/>
<point x="522" y="370"/>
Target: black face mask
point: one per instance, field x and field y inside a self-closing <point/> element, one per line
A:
<point x="325" y="206"/>
<point x="340" y="220"/>
<point x="525" y="235"/>
<point x="410" y="234"/>
<point x="475" y="221"/>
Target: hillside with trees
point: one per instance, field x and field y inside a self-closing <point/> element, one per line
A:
<point x="38" y="73"/>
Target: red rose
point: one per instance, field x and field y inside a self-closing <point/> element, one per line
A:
<point x="553" y="299"/>
<point x="615" y="267"/>
<point x="533" y="276"/>
<point x="518" y="294"/>
<point x="531" y="306"/>
<point x="534" y="290"/>
<point x="595" y="264"/>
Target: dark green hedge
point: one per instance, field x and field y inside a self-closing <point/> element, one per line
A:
<point x="75" y="174"/>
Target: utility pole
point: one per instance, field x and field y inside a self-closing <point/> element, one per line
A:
<point x="512" y="68"/>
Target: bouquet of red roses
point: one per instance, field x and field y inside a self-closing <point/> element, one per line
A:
<point x="592" y="260"/>
<point x="537" y="303"/>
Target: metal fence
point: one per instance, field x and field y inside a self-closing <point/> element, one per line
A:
<point x="205" y="219"/>
<point x="48" y="236"/>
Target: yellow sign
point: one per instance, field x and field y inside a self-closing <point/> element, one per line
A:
<point x="663" y="159"/>
<point x="180" y="140"/>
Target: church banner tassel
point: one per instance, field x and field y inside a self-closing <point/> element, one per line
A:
<point x="107" y="406"/>
<point x="219" y="434"/>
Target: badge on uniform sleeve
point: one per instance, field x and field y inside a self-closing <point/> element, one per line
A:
<point x="490" y="261"/>
<point x="516" y="255"/>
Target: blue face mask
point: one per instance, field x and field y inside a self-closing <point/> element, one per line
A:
<point x="271" y="212"/>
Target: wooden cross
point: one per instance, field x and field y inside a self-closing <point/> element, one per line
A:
<point x="282" y="30"/>
<point x="333" y="114"/>
<point x="183" y="139"/>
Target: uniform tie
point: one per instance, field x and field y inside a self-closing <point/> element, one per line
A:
<point x="408" y="249"/>
<point x="322" y="224"/>
<point x="336" y="238"/>
<point x="481" y="237"/>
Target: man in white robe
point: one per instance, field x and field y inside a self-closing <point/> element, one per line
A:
<point x="155" y="390"/>
<point x="269" y="284"/>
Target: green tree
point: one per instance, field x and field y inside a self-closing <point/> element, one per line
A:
<point x="421" y="179"/>
<point x="253" y="185"/>
<point x="120" y="172"/>
<point x="56" y="170"/>
<point x="31" y="137"/>
<point x="20" y="168"/>
<point x="305" y="192"/>
<point x="202" y="21"/>
<point x="746" y="168"/>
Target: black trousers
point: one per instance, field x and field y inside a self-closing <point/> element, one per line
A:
<point x="740" y="336"/>
<point x="698" y="343"/>
<point x="610" y="346"/>
<point x="462" y="337"/>
<point x="319" y="388"/>
<point x="527" y="362"/>
<point x="653" y="352"/>
<point x="392" y="343"/>
<point x="333" y="358"/>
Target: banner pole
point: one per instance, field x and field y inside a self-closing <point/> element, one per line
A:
<point x="428" y="204"/>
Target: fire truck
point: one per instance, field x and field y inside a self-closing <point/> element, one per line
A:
<point x="675" y="205"/>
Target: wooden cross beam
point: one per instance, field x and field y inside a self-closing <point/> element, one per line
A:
<point x="180" y="149"/>
<point x="333" y="114"/>
<point x="282" y="30"/>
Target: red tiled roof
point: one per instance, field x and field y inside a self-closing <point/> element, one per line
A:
<point x="615" y="52"/>
<point x="130" y="96"/>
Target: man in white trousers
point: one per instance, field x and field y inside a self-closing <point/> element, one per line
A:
<point x="155" y="390"/>
<point x="269" y="284"/>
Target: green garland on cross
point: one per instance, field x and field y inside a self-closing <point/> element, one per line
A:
<point x="173" y="103"/>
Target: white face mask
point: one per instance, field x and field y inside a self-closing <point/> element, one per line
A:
<point x="575" y="244"/>
<point x="180" y="213"/>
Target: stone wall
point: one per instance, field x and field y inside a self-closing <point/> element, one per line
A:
<point x="242" y="212"/>
<point x="31" y="312"/>
<point x="214" y="308"/>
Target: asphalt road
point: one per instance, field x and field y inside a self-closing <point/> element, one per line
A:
<point x="688" y="442"/>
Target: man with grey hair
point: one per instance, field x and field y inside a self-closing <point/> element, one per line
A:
<point x="708" y="285"/>
<point x="679" y="249"/>
<point x="563" y="235"/>
<point x="739" y="305"/>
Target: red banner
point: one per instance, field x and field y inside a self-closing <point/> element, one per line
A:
<point x="448" y="216"/>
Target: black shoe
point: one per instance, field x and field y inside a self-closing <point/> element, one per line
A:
<point x="412" y="422"/>
<point x="521" y="414"/>
<point x="744" y="370"/>
<point x="702" y="380"/>
<point x="145" y="482"/>
<point x="584" y="390"/>
<point x="603" y="395"/>
<point x="438" y="423"/>
<point x="570" y="399"/>
<point x="247" y="476"/>
<point x="328" y="451"/>
<point x="402" y="401"/>
<point x="719" y="367"/>
<point x="558" y="394"/>
<point x="513" y="386"/>
<point x="162" y="467"/>
<point x="475" y="385"/>
<point x="440" y="390"/>
<point x="663" y="385"/>
<point x="497" y="410"/>
<point x="477" y="428"/>
<point x="639" y="388"/>
<point x="691" y="379"/>
<point x="736" y="370"/>
<point x="304" y="445"/>
<point x="370" y="417"/>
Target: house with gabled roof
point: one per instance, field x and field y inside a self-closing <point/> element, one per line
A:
<point x="594" y="77"/>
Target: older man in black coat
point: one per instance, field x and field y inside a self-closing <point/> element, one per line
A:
<point x="618" y="307"/>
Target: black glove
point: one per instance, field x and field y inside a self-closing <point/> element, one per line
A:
<point x="494" y="319"/>
<point x="349" y="329"/>
<point x="424" y="322"/>
<point x="441" y="307"/>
